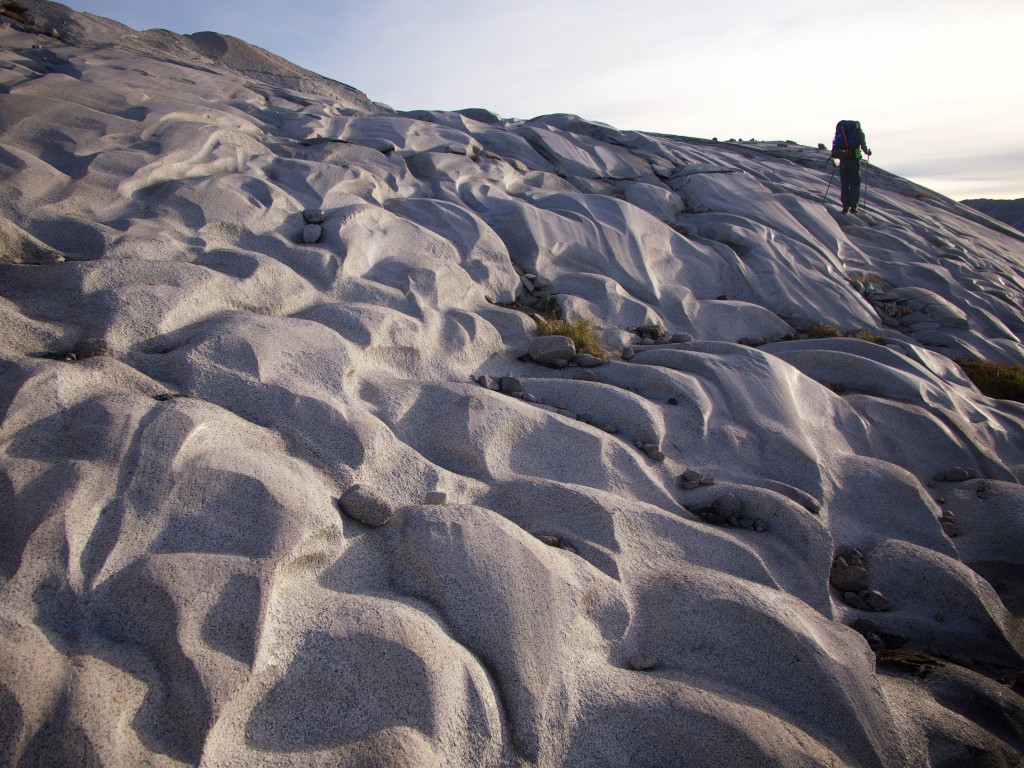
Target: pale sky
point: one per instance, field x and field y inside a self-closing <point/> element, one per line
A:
<point x="936" y="84"/>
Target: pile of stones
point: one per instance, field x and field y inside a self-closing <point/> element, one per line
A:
<point x="728" y="510"/>
<point x="656" y="334"/>
<point x="691" y="479"/>
<point x="559" y="352"/>
<point x="849" y="575"/>
<point x="313" y="230"/>
<point x="536" y="290"/>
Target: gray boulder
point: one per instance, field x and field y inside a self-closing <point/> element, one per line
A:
<point x="552" y="350"/>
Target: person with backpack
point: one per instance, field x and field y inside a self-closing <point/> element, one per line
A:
<point x="847" y="145"/>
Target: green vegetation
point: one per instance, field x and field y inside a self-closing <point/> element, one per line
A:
<point x="996" y="379"/>
<point x="582" y="332"/>
<point x="822" y="331"/>
<point x="866" y="335"/>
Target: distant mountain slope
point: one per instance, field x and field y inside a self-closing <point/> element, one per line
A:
<point x="1007" y="211"/>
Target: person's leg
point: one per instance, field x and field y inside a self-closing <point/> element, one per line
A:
<point x="854" y="175"/>
<point x="844" y="184"/>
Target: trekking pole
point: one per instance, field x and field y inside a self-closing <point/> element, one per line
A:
<point x="825" y="198"/>
<point x="867" y="170"/>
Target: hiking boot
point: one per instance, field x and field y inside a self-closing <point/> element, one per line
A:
<point x="846" y="210"/>
<point x="853" y="209"/>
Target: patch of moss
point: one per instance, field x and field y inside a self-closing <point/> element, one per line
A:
<point x="582" y="332"/>
<point x="917" y="664"/>
<point x="1005" y="382"/>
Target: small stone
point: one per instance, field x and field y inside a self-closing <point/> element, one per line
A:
<point x="313" y="216"/>
<point x="510" y="385"/>
<point x="489" y="382"/>
<point x="848" y="577"/>
<point x="892" y="640"/>
<point x="436" y="498"/>
<point x="877" y="601"/>
<point x="628" y="353"/>
<point x="690" y="475"/>
<point x="957" y="475"/>
<point x="528" y="398"/>
<point x="854" y="600"/>
<point x="681" y="338"/>
<point x="673" y="401"/>
<point x="311" y="233"/>
<point x="950" y="529"/>
<point x="584" y="360"/>
<point x="653" y="452"/>
<point x="864" y="626"/>
<point x="760" y="526"/>
<point x="527" y="283"/>
<point x="690" y="485"/>
<point x="707" y="481"/>
<point x="541" y="282"/>
<point x="363" y="504"/>
<point x="551" y="541"/>
<point x="641" y="662"/>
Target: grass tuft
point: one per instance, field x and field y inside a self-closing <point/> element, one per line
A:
<point x="582" y="332"/>
<point x="822" y="331"/>
<point x="866" y="335"/>
<point x="999" y="380"/>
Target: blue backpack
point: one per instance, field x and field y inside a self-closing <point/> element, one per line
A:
<point x="848" y="138"/>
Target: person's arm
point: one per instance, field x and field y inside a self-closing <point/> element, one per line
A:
<point x="864" y="143"/>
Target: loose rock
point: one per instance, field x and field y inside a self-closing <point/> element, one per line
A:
<point x="847" y="576"/>
<point x="363" y="504"/>
<point x="641" y="662"/>
<point x="436" y="498"/>
<point x="313" y="216"/>
<point x="583" y="360"/>
<point x="311" y="233"/>
<point x="510" y="385"/>
<point x="552" y="350"/>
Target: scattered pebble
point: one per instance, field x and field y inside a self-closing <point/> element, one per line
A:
<point x="313" y="216"/>
<point x="365" y="505"/>
<point x="510" y="385"/>
<point x="849" y="573"/>
<point x="311" y="233"/>
<point x="583" y="360"/>
<point x="642" y="662"/>
<point x="628" y="353"/>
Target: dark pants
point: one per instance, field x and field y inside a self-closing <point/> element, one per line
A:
<point x="849" y="179"/>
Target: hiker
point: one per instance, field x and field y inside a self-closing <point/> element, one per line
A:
<point x="846" y="148"/>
